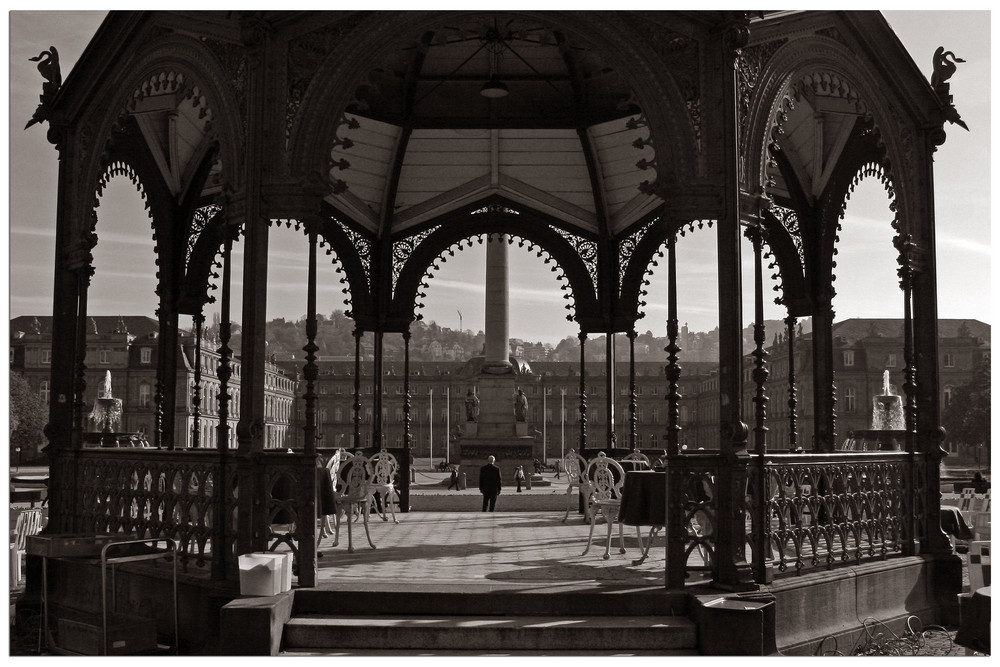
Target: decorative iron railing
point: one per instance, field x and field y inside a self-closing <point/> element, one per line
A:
<point x="150" y="493"/>
<point x="691" y="516"/>
<point x="161" y="493"/>
<point x="823" y="508"/>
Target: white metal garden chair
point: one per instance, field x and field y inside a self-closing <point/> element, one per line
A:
<point x="573" y="465"/>
<point x="383" y="466"/>
<point x="606" y="477"/>
<point x="352" y="491"/>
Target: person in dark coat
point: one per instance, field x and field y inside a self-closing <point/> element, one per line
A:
<point x="489" y="484"/>
<point x="454" y="479"/>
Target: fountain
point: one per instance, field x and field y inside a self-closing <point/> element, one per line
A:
<point x="106" y="415"/>
<point x="888" y="423"/>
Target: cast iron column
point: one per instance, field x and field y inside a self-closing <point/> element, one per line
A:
<point x="673" y="370"/>
<point x="310" y="372"/>
<point x="790" y="322"/>
<point x="220" y="544"/>
<point x="732" y="571"/>
<point x="199" y="320"/>
<point x="357" y="387"/>
<point x="404" y="465"/>
<point x="631" y="376"/>
<point x="583" y="393"/>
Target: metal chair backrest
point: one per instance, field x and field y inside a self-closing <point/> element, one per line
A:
<point x="573" y="466"/>
<point x="333" y="464"/>
<point x="29" y="522"/>
<point x="353" y="478"/>
<point x="637" y="456"/>
<point x="965" y="501"/>
<point x="606" y="478"/>
<point x="383" y="466"/>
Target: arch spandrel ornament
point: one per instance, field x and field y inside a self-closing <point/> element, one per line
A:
<point x="822" y="65"/>
<point x="820" y="60"/>
<point x="169" y="69"/>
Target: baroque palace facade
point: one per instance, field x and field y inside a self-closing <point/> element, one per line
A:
<point x="128" y="348"/>
<point x="866" y="348"/>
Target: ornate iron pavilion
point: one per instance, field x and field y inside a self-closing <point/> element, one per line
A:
<point x="369" y="132"/>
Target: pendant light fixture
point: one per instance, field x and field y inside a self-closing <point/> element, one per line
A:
<point x="494" y="88"/>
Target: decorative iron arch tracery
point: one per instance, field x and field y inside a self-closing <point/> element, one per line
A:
<point x="643" y="257"/>
<point x="539" y="238"/>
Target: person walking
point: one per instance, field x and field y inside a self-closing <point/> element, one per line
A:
<point x="519" y="477"/>
<point x="454" y="479"/>
<point x="489" y="484"/>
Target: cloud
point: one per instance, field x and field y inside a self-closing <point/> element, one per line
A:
<point x="968" y="245"/>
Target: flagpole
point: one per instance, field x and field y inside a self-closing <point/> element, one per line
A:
<point x="430" y="439"/>
<point x="562" y="422"/>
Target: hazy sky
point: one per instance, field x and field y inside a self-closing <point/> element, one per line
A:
<point x="866" y="279"/>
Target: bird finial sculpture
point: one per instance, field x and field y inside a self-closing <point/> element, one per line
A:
<point x="48" y="67"/>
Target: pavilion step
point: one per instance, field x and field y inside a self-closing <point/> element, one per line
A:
<point x="495" y="633"/>
<point x="610" y="601"/>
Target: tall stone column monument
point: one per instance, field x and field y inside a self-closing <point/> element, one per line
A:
<point x="500" y="429"/>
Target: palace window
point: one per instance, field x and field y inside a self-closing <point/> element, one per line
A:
<point x="43" y="392"/>
<point x="146" y="355"/>
<point x="949" y="360"/>
<point x="947" y="397"/>
<point x="46" y="356"/>
<point x="338" y="415"/>
<point x="105" y="357"/>
<point x="144" y="395"/>
<point x="890" y="361"/>
<point x="850" y="399"/>
<point x="848" y="357"/>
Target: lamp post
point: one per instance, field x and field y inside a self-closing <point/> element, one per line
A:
<point x="447" y="425"/>
<point x="544" y="425"/>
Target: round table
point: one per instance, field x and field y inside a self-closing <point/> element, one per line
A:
<point x="644" y="503"/>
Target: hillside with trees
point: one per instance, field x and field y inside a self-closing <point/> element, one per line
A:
<point x="431" y="342"/>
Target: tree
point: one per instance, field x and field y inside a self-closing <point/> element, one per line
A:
<point x="967" y="417"/>
<point x="27" y="418"/>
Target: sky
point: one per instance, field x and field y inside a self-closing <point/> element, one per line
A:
<point x="866" y="278"/>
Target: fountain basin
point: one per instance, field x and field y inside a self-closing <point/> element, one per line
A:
<point x="868" y="440"/>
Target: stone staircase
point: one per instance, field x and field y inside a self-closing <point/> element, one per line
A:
<point x="612" y="622"/>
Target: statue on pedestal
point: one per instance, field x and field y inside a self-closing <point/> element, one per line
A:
<point x="520" y="406"/>
<point x="471" y="407"/>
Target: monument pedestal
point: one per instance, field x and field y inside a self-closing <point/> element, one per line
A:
<point x="496" y="433"/>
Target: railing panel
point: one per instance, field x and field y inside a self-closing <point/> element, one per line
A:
<point x="691" y="517"/>
<point x="149" y="493"/>
<point x="820" y="509"/>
